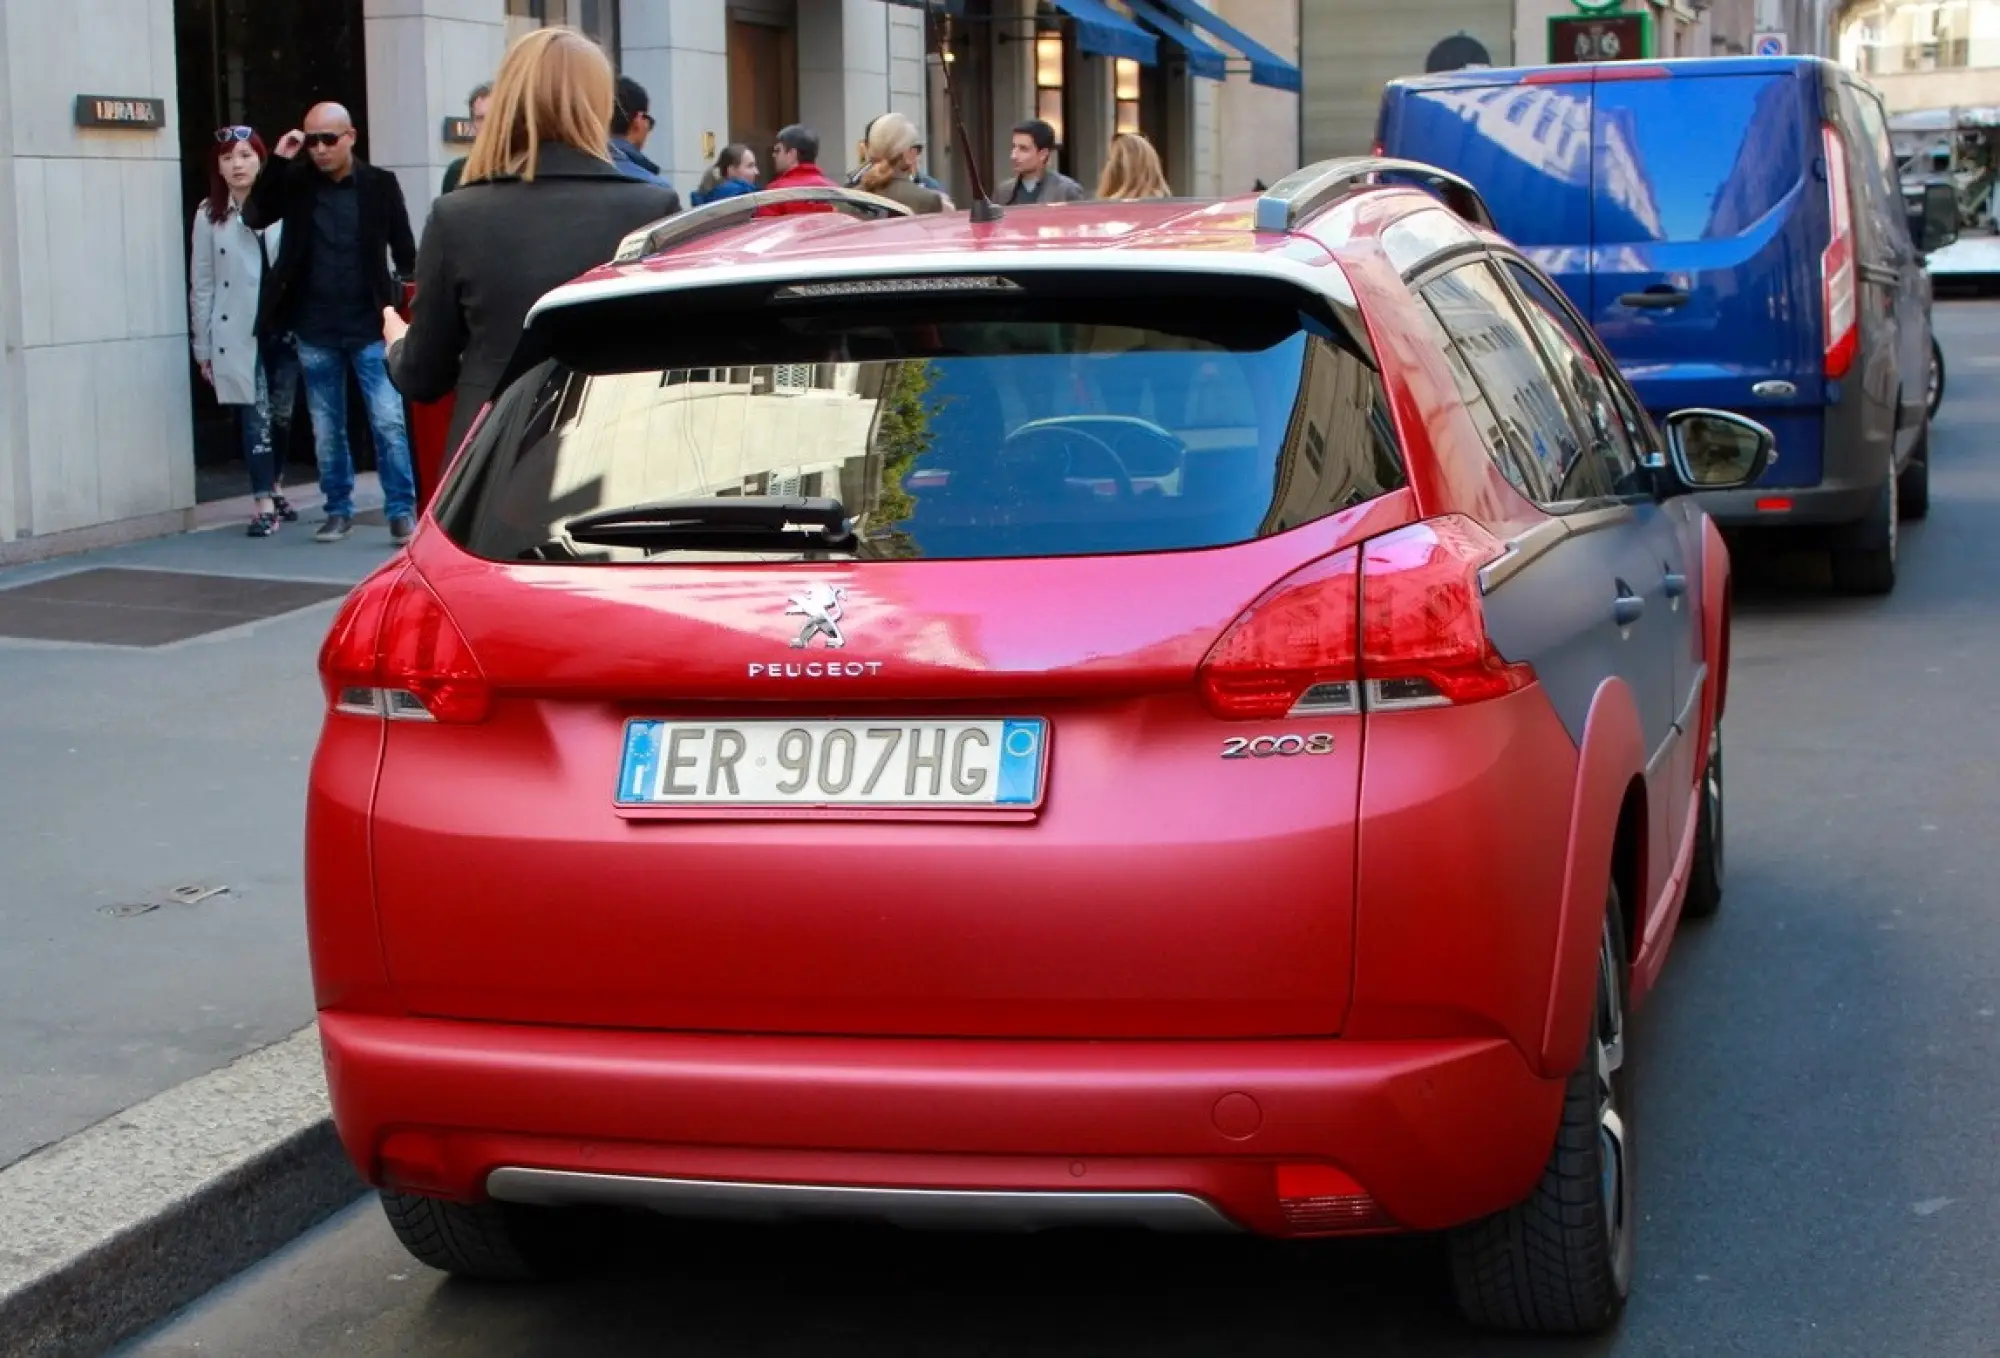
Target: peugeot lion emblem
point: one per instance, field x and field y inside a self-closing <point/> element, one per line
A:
<point x="821" y="607"/>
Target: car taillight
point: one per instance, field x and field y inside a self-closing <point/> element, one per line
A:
<point x="1837" y="273"/>
<point x="394" y="652"/>
<point x="1394" y="623"/>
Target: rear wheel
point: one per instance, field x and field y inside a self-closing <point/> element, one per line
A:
<point x="498" y="1241"/>
<point x="1561" y="1262"/>
<point x="1704" y="893"/>
<point x="1869" y="567"/>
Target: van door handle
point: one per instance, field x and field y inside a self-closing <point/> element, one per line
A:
<point x="1677" y="584"/>
<point x="1656" y="298"/>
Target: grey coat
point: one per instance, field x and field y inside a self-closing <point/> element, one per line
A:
<point x="228" y="269"/>
<point x="489" y="252"/>
<point x="1059" y="188"/>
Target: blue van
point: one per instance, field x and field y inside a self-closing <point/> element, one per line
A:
<point x="1735" y="229"/>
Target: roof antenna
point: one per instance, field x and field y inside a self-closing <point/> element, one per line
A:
<point x="984" y="209"/>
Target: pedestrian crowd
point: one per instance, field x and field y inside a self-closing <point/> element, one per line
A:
<point x="300" y="263"/>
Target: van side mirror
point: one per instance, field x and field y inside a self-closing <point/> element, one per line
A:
<point x="1934" y="221"/>
<point x="1717" y="450"/>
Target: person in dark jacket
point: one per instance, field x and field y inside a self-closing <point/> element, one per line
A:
<point x="344" y="222"/>
<point x="517" y="226"/>
<point x="476" y="105"/>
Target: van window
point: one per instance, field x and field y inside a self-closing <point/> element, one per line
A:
<point x="1509" y="366"/>
<point x="969" y="430"/>
<point x="1657" y="180"/>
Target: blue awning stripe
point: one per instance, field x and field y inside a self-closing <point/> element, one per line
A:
<point x="1202" y="60"/>
<point x="1103" y="31"/>
<point x="1267" y="68"/>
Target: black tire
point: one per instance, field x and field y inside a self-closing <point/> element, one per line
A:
<point x="1561" y="1262"/>
<point x="1936" y="376"/>
<point x="1913" y="487"/>
<point x="495" y="1241"/>
<point x="1704" y="893"/>
<point x="1869" y="566"/>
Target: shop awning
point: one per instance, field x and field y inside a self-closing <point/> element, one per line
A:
<point x="1107" y="33"/>
<point x="1267" y="68"/>
<point x="1202" y="60"/>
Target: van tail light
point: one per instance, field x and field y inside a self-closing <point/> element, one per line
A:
<point x="1838" y="276"/>
<point x="394" y="653"/>
<point x="1394" y="623"/>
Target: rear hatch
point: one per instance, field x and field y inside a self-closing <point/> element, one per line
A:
<point x="1678" y="207"/>
<point x="835" y="666"/>
<point x="1705" y="191"/>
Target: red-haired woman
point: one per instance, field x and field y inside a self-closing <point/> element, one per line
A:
<point x="260" y="377"/>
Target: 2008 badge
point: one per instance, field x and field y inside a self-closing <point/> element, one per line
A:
<point x="1266" y="747"/>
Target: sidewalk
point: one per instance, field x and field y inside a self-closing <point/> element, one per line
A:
<point x="151" y="807"/>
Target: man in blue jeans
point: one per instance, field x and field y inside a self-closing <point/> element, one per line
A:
<point x="344" y="222"/>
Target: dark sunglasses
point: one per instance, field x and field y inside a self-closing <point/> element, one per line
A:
<point x="226" y="135"/>
<point x="323" y="138"/>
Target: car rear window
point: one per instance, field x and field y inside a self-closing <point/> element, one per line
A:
<point x="1694" y="157"/>
<point x="990" y="426"/>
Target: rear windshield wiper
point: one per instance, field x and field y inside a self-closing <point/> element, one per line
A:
<point x="747" y="523"/>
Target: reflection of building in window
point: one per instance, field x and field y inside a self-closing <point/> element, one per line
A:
<point x="1345" y="454"/>
<point x="762" y="431"/>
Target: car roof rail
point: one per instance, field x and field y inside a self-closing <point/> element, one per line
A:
<point x="1306" y="191"/>
<point x="682" y="227"/>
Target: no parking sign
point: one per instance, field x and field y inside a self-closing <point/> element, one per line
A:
<point x="1769" y="45"/>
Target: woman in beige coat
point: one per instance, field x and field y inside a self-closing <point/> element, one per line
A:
<point x="893" y="152"/>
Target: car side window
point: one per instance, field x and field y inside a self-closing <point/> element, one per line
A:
<point x="1574" y="356"/>
<point x="1515" y="464"/>
<point x="1509" y="366"/>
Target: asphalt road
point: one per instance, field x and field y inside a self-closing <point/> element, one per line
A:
<point x="1816" y="1106"/>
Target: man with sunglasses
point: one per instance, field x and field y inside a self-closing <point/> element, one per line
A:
<point x="344" y="221"/>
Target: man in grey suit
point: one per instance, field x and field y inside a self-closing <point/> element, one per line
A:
<point x="1035" y="179"/>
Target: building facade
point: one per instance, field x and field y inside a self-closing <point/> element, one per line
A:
<point x="1940" y="54"/>
<point x="109" y="106"/>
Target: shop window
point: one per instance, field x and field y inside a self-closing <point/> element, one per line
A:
<point x="598" y="18"/>
<point x="1049" y="81"/>
<point x="1125" y="78"/>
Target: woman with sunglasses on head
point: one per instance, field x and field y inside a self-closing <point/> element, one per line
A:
<point x="259" y="377"/>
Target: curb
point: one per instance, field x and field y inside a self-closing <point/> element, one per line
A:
<point x="112" y="1230"/>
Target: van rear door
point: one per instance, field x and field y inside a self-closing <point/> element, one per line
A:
<point x="1708" y="219"/>
<point x="1525" y="146"/>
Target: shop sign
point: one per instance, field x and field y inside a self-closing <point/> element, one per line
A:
<point x="119" y="110"/>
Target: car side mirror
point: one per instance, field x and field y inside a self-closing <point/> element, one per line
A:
<point x="1717" y="450"/>
<point x="1934" y="221"/>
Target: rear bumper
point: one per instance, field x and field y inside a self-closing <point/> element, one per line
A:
<point x="1824" y="505"/>
<point x="1437" y="1132"/>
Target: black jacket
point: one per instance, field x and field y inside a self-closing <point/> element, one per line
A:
<point x="491" y="249"/>
<point x="286" y="191"/>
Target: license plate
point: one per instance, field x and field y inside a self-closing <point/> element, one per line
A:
<point x="997" y="764"/>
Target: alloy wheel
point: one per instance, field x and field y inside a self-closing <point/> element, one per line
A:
<point x="1711" y="796"/>
<point x="1614" y="1147"/>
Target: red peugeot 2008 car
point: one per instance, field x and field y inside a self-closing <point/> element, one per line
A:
<point x="1196" y="715"/>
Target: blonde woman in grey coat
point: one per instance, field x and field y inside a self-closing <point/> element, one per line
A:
<point x="259" y="376"/>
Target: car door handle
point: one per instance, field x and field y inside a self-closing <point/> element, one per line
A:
<point x="1628" y="607"/>
<point x="1677" y="584"/>
<point x="1656" y="298"/>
